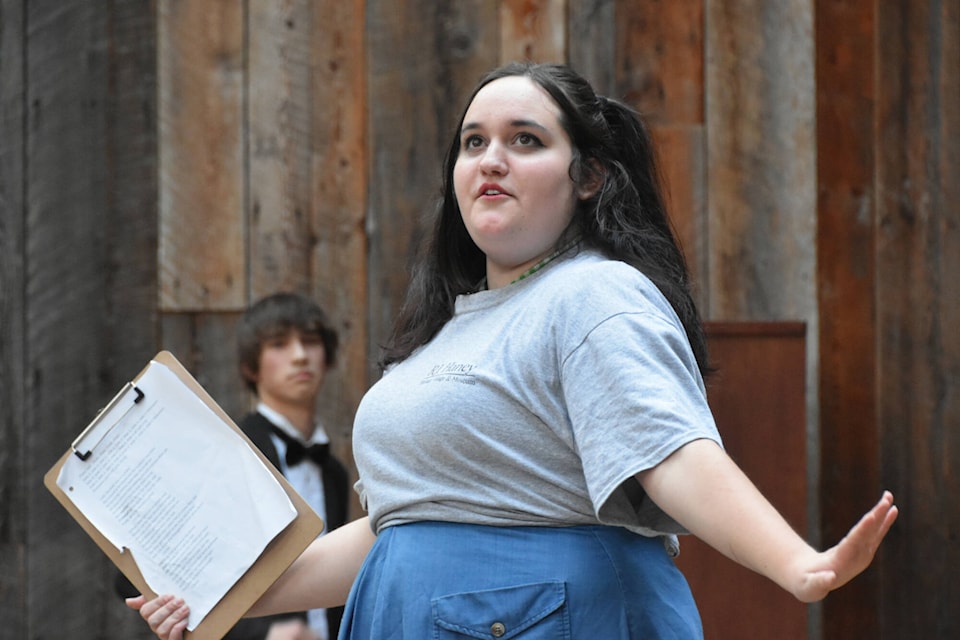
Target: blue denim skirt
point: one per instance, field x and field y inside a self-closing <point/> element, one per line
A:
<point x="447" y="581"/>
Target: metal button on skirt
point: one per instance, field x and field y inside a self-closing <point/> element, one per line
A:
<point x="448" y="581"/>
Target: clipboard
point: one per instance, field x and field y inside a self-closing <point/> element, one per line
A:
<point x="278" y="555"/>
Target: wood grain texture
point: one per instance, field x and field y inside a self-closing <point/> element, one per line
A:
<point x="682" y="155"/>
<point x="592" y="42"/>
<point x="660" y="72"/>
<point x="761" y="192"/>
<point x="281" y="96"/>
<point x="202" y="251"/>
<point x="339" y="179"/>
<point x="205" y="344"/>
<point x="64" y="289"/>
<point x="761" y="162"/>
<point x="846" y="163"/>
<point x="918" y="312"/>
<point x="533" y="30"/>
<point x="90" y="289"/>
<point x="13" y="425"/>
<point x="758" y="400"/>
<point x="660" y="66"/>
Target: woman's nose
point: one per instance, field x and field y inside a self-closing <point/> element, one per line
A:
<point x="494" y="159"/>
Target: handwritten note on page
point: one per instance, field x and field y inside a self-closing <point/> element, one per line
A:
<point x="185" y="494"/>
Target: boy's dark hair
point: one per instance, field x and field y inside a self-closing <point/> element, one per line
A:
<point x="276" y="315"/>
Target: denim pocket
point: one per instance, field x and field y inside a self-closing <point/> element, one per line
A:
<point x="526" y="612"/>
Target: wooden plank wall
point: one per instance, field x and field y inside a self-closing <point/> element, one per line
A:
<point x="917" y="235"/>
<point x="160" y="169"/>
<point x="888" y="108"/>
<point x="80" y="172"/>
<point x="847" y="265"/>
<point x="13" y="507"/>
<point x="759" y="382"/>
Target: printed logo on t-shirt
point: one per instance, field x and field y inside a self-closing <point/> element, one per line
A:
<point x="451" y="372"/>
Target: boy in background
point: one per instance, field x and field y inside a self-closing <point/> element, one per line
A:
<point x="286" y="346"/>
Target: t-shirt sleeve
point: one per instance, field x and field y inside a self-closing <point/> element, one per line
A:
<point x="634" y="395"/>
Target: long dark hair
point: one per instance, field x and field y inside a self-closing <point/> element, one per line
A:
<point x="625" y="219"/>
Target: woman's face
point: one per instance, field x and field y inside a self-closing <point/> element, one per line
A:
<point x="512" y="176"/>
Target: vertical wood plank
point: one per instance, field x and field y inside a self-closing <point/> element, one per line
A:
<point x="215" y="361"/>
<point x="424" y="58"/>
<point x="13" y="427"/>
<point x="177" y="337"/>
<point x="339" y="161"/>
<point x="761" y="183"/>
<point x="757" y="397"/>
<point x="682" y="154"/>
<point x="533" y="30"/>
<point x="280" y="80"/>
<point x="592" y="41"/>
<point x="65" y="73"/>
<point x="131" y="190"/>
<point x="918" y="311"/>
<point x="205" y="344"/>
<point x="91" y="275"/>
<point x="761" y="162"/>
<point x="660" y="71"/>
<point x="846" y="162"/>
<point x="202" y="252"/>
<point x="660" y="66"/>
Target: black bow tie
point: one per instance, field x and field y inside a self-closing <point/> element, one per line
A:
<point x="297" y="451"/>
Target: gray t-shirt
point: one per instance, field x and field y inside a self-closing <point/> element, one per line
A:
<point x="536" y="404"/>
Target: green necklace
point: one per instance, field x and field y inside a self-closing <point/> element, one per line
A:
<point x="553" y="256"/>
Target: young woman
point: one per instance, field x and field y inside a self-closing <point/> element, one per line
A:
<point x="541" y="433"/>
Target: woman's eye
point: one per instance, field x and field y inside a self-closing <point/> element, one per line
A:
<point x="527" y="139"/>
<point x="472" y="142"/>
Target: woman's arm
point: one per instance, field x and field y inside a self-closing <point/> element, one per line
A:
<point x="706" y="492"/>
<point x="320" y="578"/>
<point x="323" y="574"/>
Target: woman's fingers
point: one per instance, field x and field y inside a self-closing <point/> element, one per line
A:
<point x="166" y="615"/>
<point x="869" y="532"/>
<point x="840" y="564"/>
<point x="857" y="549"/>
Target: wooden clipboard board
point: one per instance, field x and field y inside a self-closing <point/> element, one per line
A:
<point x="274" y="560"/>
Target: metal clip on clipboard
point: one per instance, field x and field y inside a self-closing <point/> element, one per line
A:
<point x="88" y="432"/>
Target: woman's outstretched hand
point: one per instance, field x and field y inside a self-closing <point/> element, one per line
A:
<point x="840" y="564"/>
<point x="166" y="615"/>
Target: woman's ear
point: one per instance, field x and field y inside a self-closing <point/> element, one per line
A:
<point x="592" y="180"/>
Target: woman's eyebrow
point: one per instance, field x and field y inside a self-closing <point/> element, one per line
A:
<point x="519" y="123"/>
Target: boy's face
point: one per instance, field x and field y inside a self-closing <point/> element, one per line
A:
<point x="292" y="370"/>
